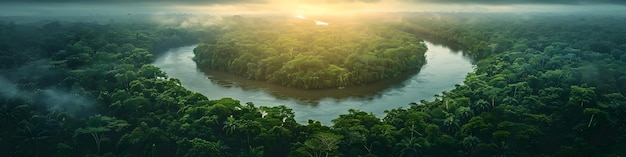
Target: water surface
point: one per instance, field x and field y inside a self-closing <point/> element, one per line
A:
<point x="445" y="68"/>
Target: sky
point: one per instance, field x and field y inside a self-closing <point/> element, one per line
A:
<point x="88" y="7"/>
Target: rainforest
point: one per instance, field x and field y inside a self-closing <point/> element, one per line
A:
<point x="544" y="84"/>
<point x="296" y="53"/>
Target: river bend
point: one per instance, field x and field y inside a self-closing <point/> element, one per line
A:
<point x="445" y="68"/>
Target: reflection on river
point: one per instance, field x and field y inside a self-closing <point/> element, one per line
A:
<point x="444" y="68"/>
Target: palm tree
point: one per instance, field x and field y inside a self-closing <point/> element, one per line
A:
<point x="465" y="113"/>
<point x="510" y="100"/>
<point x="31" y="136"/>
<point x="250" y="128"/>
<point x="503" y="150"/>
<point x="408" y="147"/>
<point x="201" y="147"/>
<point x="11" y="115"/>
<point x="470" y="142"/>
<point x="481" y="106"/>
<point x="253" y="152"/>
<point x="218" y="149"/>
<point x="493" y="94"/>
<point x="451" y="123"/>
<point x="231" y="125"/>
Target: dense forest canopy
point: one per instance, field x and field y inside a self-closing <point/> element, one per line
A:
<point x="544" y="85"/>
<point x="297" y="53"/>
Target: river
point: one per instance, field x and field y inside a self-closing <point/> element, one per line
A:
<point x="445" y="68"/>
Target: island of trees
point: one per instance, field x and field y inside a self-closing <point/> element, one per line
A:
<point x="544" y="85"/>
<point x="297" y="53"/>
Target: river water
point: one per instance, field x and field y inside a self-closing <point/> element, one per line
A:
<point x="445" y="68"/>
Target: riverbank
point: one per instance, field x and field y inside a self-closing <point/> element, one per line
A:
<point x="444" y="68"/>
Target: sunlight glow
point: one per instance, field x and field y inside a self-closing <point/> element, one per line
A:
<point x="307" y="7"/>
<point x="317" y="22"/>
<point x="313" y="8"/>
<point x="300" y="17"/>
<point x="320" y="23"/>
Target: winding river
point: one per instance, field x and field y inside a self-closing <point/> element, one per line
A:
<point x="445" y="67"/>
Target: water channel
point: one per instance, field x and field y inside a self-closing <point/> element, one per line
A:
<point x="445" y="68"/>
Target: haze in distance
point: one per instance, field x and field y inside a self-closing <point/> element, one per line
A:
<point x="309" y="7"/>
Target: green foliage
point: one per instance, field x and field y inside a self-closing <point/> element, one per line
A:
<point x="302" y="55"/>
<point x="91" y="67"/>
<point x="98" y="125"/>
<point x="536" y="80"/>
<point x="200" y="147"/>
<point x="321" y="144"/>
<point x="540" y="88"/>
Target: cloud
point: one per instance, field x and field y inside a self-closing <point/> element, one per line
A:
<point x="205" y="2"/>
<point x="51" y="98"/>
<point x="308" y="7"/>
<point x="233" y="2"/>
<point x="508" y="2"/>
<point x="17" y="84"/>
<point x="8" y="89"/>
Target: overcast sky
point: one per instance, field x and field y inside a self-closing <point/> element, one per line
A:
<point x="87" y="7"/>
